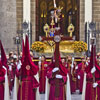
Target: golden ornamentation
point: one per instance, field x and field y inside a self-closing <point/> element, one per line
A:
<point x="79" y="46"/>
<point x="38" y="46"/>
<point x="71" y="29"/>
<point x="46" y="29"/>
<point x="65" y="47"/>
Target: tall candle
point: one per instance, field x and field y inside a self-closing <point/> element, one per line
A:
<point x="54" y="3"/>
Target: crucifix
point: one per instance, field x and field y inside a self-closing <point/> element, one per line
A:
<point x="57" y="39"/>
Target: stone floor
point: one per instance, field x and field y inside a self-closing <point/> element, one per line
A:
<point x="74" y="97"/>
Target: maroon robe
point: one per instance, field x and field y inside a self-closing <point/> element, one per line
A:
<point x="11" y="76"/>
<point x="90" y="91"/>
<point x="98" y="90"/>
<point x="11" y="79"/>
<point x="1" y="87"/>
<point x="52" y="83"/>
<point x="27" y="88"/>
<point x="73" y="80"/>
<point x="28" y="84"/>
<point x="80" y="72"/>
<point x="2" y="79"/>
<point x="97" y="80"/>
<point x="72" y="77"/>
<point x="42" y="78"/>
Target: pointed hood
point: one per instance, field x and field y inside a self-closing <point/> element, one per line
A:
<point x="27" y="60"/>
<point x="62" y="68"/>
<point x="3" y="56"/>
<point x="23" y="51"/>
<point x="92" y="59"/>
<point x="0" y="64"/>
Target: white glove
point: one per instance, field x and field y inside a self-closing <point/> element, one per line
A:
<point x="4" y="67"/>
<point x="72" y="66"/>
<point x="53" y="60"/>
<point x="20" y="62"/>
<point x="59" y="76"/>
<point x="39" y="63"/>
<point x="10" y="67"/>
<point x="93" y="70"/>
<point x="40" y="58"/>
<point x="79" y="77"/>
<point x="87" y="63"/>
<point x="95" y="85"/>
<point x="55" y="69"/>
<point x="18" y="66"/>
<point x="66" y="65"/>
<point x="76" y="67"/>
<point x="72" y="58"/>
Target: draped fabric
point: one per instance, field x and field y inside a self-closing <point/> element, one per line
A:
<point x="92" y="59"/>
<point x="28" y="84"/>
<point x="92" y="93"/>
<point x="23" y="51"/>
<point x="42" y="78"/>
<point x="2" y="79"/>
<point x="62" y="83"/>
<point x="27" y="60"/>
<point x="62" y="68"/>
<point x="3" y="56"/>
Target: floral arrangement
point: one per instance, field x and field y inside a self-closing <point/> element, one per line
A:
<point x="38" y="46"/>
<point x="79" y="46"/>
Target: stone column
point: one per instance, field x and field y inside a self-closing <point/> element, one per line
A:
<point x="26" y="14"/>
<point x="88" y="16"/>
<point x="88" y="10"/>
<point x="33" y="18"/>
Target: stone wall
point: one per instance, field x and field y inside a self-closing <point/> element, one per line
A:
<point x="82" y="20"/>
<point x="8" y="23"/>
<point x="96" y="10"/>
<point x="96" y="18"/>
<point x="33" y="19"/>
<point x="19" y="13"/>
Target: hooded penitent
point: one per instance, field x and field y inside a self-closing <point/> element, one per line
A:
<point x="92" y="59"/>
<point x="27" y="72"/>
<point x="23" y="51"/>
<point x="3" y="56"/>
<point x="2" y="80"/>
<point x="2" y="70"/>
<point x="62" y="68"/>
<point x="27" y="61"/>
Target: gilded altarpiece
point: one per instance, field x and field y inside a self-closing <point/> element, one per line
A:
<point x="70" y="15"/>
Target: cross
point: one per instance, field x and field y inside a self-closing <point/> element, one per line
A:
<point x="57" y="39"/>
